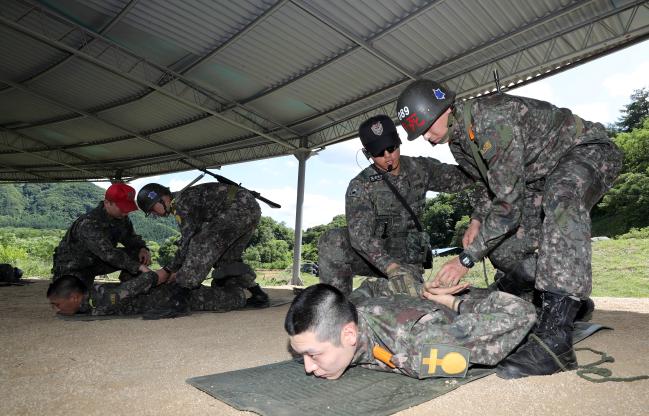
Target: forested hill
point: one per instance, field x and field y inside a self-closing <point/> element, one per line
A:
<point x="57" y="205"/>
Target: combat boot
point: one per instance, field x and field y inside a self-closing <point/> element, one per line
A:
<point x="553" y="329"/>
<point x="259" y="298"/>
<point x="586" y="310"/>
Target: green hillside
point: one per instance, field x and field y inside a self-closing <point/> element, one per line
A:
<point x="57" y="205"/>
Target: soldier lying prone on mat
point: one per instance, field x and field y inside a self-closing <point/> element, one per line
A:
<point x="144" y="294"/>
<point x="436" y="337"/>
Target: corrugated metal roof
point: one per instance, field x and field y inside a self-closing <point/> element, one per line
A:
<point x="89" y="88"/>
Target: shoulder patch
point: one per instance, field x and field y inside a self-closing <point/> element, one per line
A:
<point x="353" y="192"/>
<point x="377" y="177"/>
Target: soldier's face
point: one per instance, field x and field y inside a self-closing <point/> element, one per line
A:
<point x="113" y="210"/>
<point x="68" y="306"/>
<point x="388" y="161"/>
<point x="158" y="210"/>
<point x="324" y="359"/>
<point x="436" y="134"/>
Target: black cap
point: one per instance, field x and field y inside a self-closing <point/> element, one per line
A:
<point x="378" y="133"/>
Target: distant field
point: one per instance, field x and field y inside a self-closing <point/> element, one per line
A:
<point x="620" y="269"/>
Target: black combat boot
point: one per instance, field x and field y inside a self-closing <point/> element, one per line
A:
<point x="554" y="330"/>
<point x="585" y="310"/>
<point x="259" y="298"/>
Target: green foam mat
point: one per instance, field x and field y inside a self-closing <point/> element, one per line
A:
<point x="283" y="389"/>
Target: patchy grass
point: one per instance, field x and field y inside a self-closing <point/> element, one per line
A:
<point x="620" y="269"/>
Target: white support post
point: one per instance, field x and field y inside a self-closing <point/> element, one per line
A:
<point x="301" y="155"/>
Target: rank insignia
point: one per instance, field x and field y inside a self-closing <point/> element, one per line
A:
<point x="376" y="178"/>
<point x="443" y="360"/>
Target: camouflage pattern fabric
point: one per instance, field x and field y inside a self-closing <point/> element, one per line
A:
<point x="140" y="295"/>
<point x="379" y="229"/>
<point x="546" y="168"/>
<point x="89" y="247"/>
<point x="489" y="327"/>
<point x="216" y="223"/>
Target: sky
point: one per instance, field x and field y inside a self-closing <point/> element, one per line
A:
<point x="596" y="91"/>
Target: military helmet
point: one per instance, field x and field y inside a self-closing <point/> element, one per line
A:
<point x="420" y="104"/>
<point x="378" y="133"/>
<point x="151" y="194"/>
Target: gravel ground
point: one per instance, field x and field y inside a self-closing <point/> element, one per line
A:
<point x="135" y="367"/>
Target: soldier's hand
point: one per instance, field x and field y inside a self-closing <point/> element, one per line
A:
<point x="432" y="289"/>
<point x="450" y="273"/>
<point x="471" y="233"/>
<point x="143" y="269"/>
<point x="163" y="276"/>
<point x="172" y="278"/>
<point x="145" y="256"/>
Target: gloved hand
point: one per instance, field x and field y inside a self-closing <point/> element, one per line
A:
<point x="405" y="279"/>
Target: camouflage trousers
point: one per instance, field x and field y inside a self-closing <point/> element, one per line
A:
<point x="98" y="267"/>
<point x="175" y="298"/>
<point x="338" y="262"/>
<point x="220" y="242"/>
<point x="551" y="249"/>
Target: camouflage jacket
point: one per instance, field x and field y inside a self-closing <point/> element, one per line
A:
<point x="196" y="206"/>
<point x="118" y="299"/>
<point x="520" y="141"/>
<point x="490" y="328"/>
<point x="95" y="235"/>
<point x="380" y="228"/>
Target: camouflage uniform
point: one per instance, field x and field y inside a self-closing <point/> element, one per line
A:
<point x="545" y="169"/>
<point x="140" y="295"/>
<point x="489" y="327"/>
<point x="216" y="223"/>
<point x="89" y="247"/>
<point x="379" y="229"/>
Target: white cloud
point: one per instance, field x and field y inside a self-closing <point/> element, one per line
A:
<point x="538" y="90"/>
<point x="595" y="111"/>
<point x="317" y="209"/>
<point x="622" y="84"/>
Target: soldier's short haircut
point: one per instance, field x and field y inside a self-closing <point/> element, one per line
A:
<point x="322" y="309"/>
<point x="65" y="286"/>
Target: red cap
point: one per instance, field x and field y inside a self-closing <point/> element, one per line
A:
<point x="123" y="196"/>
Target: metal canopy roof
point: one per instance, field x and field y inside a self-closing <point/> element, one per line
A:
<point x="93" y="89"/>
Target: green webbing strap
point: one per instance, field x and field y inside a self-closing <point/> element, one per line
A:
<point x="604" y="374"/>
<point x="579" y="125"/>
<point x="474" y="146"/>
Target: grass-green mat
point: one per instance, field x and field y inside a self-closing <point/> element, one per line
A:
<point x="283" y="389"/>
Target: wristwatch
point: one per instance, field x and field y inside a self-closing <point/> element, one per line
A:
<point x="466" y="260"/>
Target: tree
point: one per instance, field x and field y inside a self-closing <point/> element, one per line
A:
<point x="442" y="213"/>
<point x="635" y="112"/>
<point x="635" y="145"/>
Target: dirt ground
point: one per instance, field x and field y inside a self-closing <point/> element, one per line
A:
<point x="135" y="367"/>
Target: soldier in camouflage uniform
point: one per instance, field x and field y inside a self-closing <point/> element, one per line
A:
<point x="216" y="223"/>
<point x="399" y="333"/>
<point x="381" y="238"/>
<point x="541" y="170"/>
<point x="89" y="247"/>
<point x="142" y="294"/>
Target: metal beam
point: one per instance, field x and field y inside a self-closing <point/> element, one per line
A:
<point x="200" y="98"/>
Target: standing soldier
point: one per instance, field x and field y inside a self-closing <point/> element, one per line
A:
<point x="541" y="170"/>
<point x="89" y="247"/>
<point x="216" y="223"/>
<point x="383" y="238"/>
